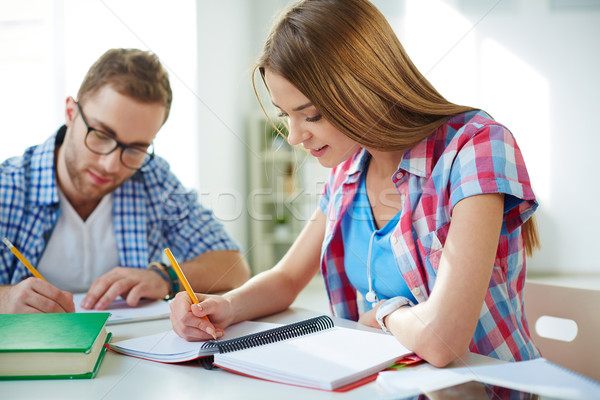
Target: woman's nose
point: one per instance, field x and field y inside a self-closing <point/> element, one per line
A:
<point x="297" y="133"/>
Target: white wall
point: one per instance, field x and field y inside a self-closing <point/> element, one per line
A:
<point x="208" y="47"/>
<point x="226" y="48"/>
<point x="533" y="65"/>
<point x="46" y="47"/>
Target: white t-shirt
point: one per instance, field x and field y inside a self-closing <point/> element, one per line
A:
<point x="78" y="251"/>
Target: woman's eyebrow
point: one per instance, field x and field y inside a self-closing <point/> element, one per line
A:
<point x="303" y="106"/>
<point x="299" y="108"/>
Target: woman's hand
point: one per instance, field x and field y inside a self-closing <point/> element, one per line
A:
<point x="190" y="320"/>
<point x="368" y="318"/>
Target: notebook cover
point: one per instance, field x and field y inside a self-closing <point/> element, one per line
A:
<point x="341" y="389"/>
<point x="87" y="375"/>
<point x="65" y="332"/>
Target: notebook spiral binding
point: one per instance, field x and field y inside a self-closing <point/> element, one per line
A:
<point x="278" y="334"/>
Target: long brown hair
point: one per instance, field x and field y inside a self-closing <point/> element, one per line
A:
<point x="346" y="59"/>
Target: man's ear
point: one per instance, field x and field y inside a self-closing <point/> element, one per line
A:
<point x="70" y="110"/>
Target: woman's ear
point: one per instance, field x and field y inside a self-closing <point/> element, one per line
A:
<point x="70" y="111"/>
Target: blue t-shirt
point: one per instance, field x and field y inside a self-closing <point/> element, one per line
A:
<point x="357" y="227"/>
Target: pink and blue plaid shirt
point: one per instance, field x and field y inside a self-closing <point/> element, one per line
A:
<point x="470" y="154"/>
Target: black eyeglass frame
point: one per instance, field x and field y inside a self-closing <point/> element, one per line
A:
<point x="118" y="144"/>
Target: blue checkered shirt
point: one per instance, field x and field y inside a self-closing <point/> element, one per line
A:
<point x="152" y="211"/>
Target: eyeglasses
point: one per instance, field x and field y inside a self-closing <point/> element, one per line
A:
<point x="102" y="143"/>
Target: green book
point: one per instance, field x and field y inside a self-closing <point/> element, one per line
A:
<point x="52" y="346"/>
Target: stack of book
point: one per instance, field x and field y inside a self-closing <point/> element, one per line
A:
<point x="52" y="346"/>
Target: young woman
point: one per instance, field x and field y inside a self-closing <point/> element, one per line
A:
<point x="427" y="211"/>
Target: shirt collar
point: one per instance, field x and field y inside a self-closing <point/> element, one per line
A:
<point x="43" y="190"/>
<point x="415" y="160"/>
<point x="418" y="160"/>
<point x="357" y="165"/>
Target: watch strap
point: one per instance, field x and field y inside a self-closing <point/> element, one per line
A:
<point x="388" y="307"/>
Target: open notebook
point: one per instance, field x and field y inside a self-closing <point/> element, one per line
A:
<point x="312" y="353"/>
<point x="168" y="347"/>
<point x="120" y="312"/>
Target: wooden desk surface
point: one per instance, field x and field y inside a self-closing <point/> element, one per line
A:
<point x="123" y="377"/>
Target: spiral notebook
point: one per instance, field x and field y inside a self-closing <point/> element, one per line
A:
<point x="168" y="347"/>
<point x="312" y="353"/>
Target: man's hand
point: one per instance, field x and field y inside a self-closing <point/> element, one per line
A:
<point x="34" y="295"/>
<point x="130" y="283"/>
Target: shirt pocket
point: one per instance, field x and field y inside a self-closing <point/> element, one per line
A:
<point x="430" y="247"/>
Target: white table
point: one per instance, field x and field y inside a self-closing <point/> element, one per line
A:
<point x="123" y="377"/>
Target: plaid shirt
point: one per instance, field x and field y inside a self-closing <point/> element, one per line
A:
<point x="152" y="211"/>
<point x="468" y="155"/>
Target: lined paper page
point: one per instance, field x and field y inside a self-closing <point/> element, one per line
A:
<point x="120" y="312"/>
<point x="327" y="359"/>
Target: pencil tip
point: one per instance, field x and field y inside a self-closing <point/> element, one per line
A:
<point x="6" y="242"/>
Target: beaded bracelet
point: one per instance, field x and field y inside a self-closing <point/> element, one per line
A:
<point x="161" y="270"/>
<point x="174" y="278"/>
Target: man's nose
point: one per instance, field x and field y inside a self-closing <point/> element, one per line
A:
<point x="111" y="162"/>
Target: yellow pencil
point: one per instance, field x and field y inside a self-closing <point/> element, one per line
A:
<point x="22" y="258"/>
<point x="184" y="281"/>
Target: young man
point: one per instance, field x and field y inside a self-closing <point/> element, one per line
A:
<point x="93" y="208"/>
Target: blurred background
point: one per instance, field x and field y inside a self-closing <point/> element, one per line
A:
<point x="531" y="64"/>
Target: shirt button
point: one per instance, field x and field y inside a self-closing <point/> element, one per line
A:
<point x="394" y="239"/>
<point x="399" y="175"/>
<point x="416" y="291"/>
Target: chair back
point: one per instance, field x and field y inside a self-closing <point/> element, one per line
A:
<point x="582" y="353"/>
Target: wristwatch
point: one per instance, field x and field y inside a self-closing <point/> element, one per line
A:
<point x="388" y="307"/>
